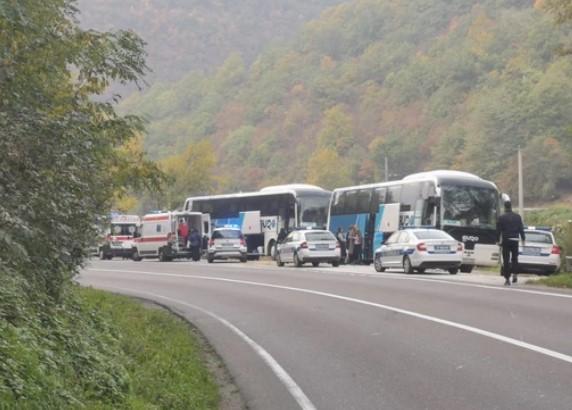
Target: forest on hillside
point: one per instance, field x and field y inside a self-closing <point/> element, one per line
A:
<point x="429" y="84"/>
<point x="185" y="35"/>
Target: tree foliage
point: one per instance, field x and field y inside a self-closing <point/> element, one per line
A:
<point x="61" y="160"/>
<point x="427" y="84"/>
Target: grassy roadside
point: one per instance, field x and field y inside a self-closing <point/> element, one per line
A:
<point x="562" y="280"/>
<point x="163" y="359"/>
<point x="96" y="350"/>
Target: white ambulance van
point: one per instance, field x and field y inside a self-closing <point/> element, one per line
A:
<point x="163" y="235"/>
<point x="118" y="242"/>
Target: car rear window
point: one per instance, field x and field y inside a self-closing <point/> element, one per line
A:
<point x="538" y="237"/>
<point x="431" y="235"/>
<point x="227" y="234"/>
<point x="320" y="236"/>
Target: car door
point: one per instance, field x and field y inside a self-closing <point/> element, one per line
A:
<point x="404" y="246"/>
<point x="286" y="248"/>
<point x="388" y="252"/>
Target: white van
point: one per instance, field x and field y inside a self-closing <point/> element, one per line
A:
<point x="166" y="235"/>
<point x="118" y="241"/>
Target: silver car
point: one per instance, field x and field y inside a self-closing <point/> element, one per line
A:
<point x="226" y="243"/>
<point x="314" y="246"/>
<point x="419" y="249"/>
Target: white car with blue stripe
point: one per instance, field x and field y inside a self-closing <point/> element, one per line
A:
<point x="418" y="250"/>
<point x="539" y="253"/>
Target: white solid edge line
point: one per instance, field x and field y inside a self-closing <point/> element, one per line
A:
<point x="471" y="329"/>
<point x="450" y="282"/>
<point x="340" y="272"/>
<point x="292" y="387"/>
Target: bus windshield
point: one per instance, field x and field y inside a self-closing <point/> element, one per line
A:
<point x="313" y="210"/>
<point x="468" y="206"/>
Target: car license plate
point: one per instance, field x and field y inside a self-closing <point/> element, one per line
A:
<point x="322" y="246"/>
<point x="442" y="248"/>
<point x="531" y="251"/>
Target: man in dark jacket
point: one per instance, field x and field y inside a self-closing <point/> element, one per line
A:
<point x="195" y="242"/>
<point x="509" y="229"/>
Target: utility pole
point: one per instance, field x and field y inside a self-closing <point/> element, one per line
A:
<point x="386" y="169"/>
<point x="520" y="185"/>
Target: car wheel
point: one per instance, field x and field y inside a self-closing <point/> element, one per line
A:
<point x="377" y="265"/>
<point x="135" y="255"/>
<point x="453" y="271"/>
<point x="467" y="268"/>
<point x="163" y="256"/>
<point x="335" y="264"/>
<point x="315" y="264"/>
<point x="297" y="262"/>
<point x="243" y="259"/>
<point x="407" y="267"/>
<point x="210" y="259"/>
<point x="279" y="260"/>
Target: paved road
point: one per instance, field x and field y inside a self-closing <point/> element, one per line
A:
<point x="328" y="338"/>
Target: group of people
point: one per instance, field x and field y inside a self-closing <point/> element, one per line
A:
<point x="190" y="239"/>
<point x="351" y="244"/>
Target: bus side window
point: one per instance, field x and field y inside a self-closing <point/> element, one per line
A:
<point x="394" y="195"/>
<point x="378" y="197"/>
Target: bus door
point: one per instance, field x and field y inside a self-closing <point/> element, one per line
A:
<point x="251" y="228"/>
<point x="206" y="228"/>
<point x="386" y="222"/>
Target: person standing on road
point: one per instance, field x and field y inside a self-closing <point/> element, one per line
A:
<point x="195" y="244"/>
<point x="350" y="245"/>
<point x="358" y="240"/>
<point x="509" y="229"/>
<point x="341" y="237"/>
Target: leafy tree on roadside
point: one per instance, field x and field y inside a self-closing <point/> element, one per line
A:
<point x="61" y="164"/>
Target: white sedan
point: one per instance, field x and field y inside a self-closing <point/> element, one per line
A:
<point x="419" y="249"/>
<point x="540" y="253"/>
<point x="313" y="246"/>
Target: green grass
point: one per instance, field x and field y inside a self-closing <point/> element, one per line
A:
<point x="163" y="358"/>
<point x="95" y="350"/>
<point x="562" y="280"/>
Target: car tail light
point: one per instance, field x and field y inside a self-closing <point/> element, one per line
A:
<point x="242" y="242"/>
<point x="556" y="250"/>
<point x="460" y="247"/>
<point x="211" y="242"/>
<point x="421" y="247"/>
<point x="304" y="245"/>
<point x="338" y="244"/>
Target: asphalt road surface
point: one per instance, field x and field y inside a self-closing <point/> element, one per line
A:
<point x="326" y="338"/>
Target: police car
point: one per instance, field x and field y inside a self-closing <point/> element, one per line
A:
<point x="227" y="243"/>
<point x="418" y="250"/>
<point x="309" y="246"/>
<point x="539" y="253"/>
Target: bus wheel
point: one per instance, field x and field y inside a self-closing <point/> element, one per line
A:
<point x="407" y="267"/>
<point x="453" y="271"/>
<point x="297" y="262"/>
<point x="315" y="264"/>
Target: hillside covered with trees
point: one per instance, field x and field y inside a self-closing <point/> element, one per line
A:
<point x="184" y="35"/>
<point x="429" y="84"/>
